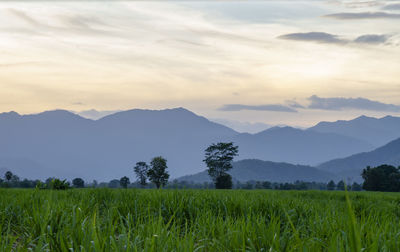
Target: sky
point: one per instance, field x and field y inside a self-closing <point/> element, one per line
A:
<point x="240" y="62"/>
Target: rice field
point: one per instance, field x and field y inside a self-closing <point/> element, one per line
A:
<point x="198" y="220"/>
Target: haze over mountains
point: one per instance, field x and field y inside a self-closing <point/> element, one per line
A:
<point x="258" y="170"/>
<point x="377" y="131"/>
<point x="62" y="144"/>
<point x="352" y="166"/>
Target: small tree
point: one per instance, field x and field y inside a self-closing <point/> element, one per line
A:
<point x="158" y="172"/>
<point x="57" y="184"/>
<point x="124" y="182"/>
<point x="218" y="158"/>
<point x="331" y="185"/>
<point x="78" y="182"/>
<point x="340" y="185"/>
<point x="356" y="187"/>
<point x="8" y="176"/>
<point x="141" y="169"/>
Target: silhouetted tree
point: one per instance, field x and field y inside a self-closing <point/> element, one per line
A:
<point x="141" y="169"/>
<point x="340" y="185"/>
<point x="356" y="187"/>
<point x="218" y="158"/>
<point x="331" y="185"/>
<point x="8" y="176"/>
<point x="114" y="183"/>
<point x="267" y="185"/>
<point x="385" y="178"/>
<point x="158" y="171"/>
<point x="224" y="181"/>
<point x="78" y="182"/>
<point x="124" y="182"/>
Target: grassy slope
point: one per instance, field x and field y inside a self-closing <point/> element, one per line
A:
<point x="187" y="220"/>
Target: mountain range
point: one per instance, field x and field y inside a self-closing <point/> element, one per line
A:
<point x="62" y="144"/>
<point x="352" y="166"/>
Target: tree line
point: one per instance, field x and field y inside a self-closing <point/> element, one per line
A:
<point x="218" y="158"/>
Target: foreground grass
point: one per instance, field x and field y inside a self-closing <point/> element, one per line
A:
<point x="197" y="220"/>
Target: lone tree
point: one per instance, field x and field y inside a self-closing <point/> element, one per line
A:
<point x="218" y="159"/>
<point x="124" y="182"/>
<point x="141" y="169"/>
<point x="158" y="172"/>
<point x="340" y="186"/>
<point x="331" y="185"/>
<point x="78" y="183"/>
<point x="8" y="176"/>
<point x="384" y="178"/>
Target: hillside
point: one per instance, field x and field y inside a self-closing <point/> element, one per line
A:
<point x="377" y="131"/>
<point x="352" y="166"/>
<point x="59" y="143"/>
<point x="253" y="169"/>
<point x="296" y="146"/>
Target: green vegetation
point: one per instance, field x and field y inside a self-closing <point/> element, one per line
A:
<point x="218" y="158"/>
<point x="198" y="220"/>
<point x="384" y="178"/>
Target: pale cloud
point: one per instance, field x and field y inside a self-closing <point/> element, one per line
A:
<point x="392" y="7"/>
<point x="363" y="15"/>
<point x="322" y="37"/>
<point x="342" y="103"/>
<point x="266" y="107"/>
<point x="140" y="54"/>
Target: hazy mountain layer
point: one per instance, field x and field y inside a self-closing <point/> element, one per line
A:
<point x="63" y="144"/>
<point x="253" y="169"/>
<point x="377" y="131"/>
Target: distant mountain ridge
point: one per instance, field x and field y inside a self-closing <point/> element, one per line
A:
<point x="296" y="146"/>
<point x="352" y="166"/>
<point x="376" y="131"/>
<point x="258" y="170"/>
<point x="60" y="143"/>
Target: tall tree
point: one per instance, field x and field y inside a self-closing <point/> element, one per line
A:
<point x="78" y="182"/>
<point x="218" y="158"/>
<point x="141" y="169"/>
<point x="124" y="182"/>
<point x="158" y="171"/>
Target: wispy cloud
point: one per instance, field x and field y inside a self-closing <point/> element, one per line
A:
<point x="363" y="15"/>
<point x="341" y="103"/>
<point x="392" y="7"/>
<point x="266" y="107"/>
<point x="322" y="37"/>
<point x="372" y="39"/>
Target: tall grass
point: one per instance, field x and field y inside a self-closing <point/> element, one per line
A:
<point x="198" y="220"/>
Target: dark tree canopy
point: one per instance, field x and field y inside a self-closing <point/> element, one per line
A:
<point x="224" y="182"/>
<point x="158" y="171"/>
<point x="124" y="182"/>
<point x="218" y="158"/>
<point x="8" y="175"/>
<point x="340" y="186"/>
<point x="384" y="178"/>
<point x="141" y="169"/>
<point x="78" y="182"/>
<point x="331" y="185"/>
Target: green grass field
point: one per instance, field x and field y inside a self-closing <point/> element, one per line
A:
<point x="197" y="220"/>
